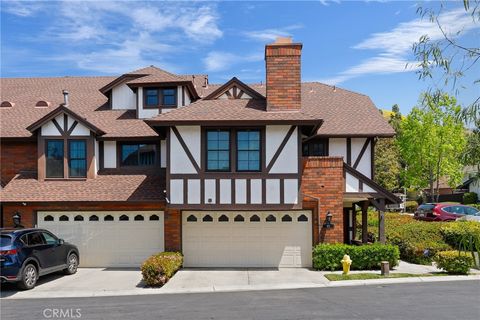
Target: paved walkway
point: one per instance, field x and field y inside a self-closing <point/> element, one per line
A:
<point x="90" y="282"/>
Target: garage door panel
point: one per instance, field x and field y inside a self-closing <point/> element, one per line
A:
<point x="109" y="243"/>
<point x="246" y="243"/>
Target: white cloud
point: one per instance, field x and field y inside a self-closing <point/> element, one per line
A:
<point x="112" y="36"/>
<point x="327" y="2"/>
<point x="219" y="60"/>
<point x="267" y="35"/>
<point x="394" y="46"/>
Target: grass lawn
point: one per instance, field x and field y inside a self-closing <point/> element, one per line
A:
<point x="367" y="276"/>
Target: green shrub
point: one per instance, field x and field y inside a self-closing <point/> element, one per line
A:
<point x="462" y="235"/>
<point x="159" y="268"/>
<point x="454" y="262"/>
<point x="366" y="257"/>
<point x="470" y="198"/>
<point x="475" y="205"/>
<point x="411" y="206"/>
<point x="418" y="241"/>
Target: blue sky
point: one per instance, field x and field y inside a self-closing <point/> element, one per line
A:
<point x="361" y="46"/>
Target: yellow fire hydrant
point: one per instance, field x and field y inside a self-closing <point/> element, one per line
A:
<point x="346" y="262"/>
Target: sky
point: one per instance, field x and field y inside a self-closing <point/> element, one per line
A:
<point x="363" y="46"/>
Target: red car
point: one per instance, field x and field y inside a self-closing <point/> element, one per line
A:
<point x="443" y="211"/>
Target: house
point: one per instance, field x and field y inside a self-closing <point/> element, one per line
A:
<point x="232" y="175"/>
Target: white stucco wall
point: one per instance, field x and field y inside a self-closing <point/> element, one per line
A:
<point x="179" y="161"/>
<point x="123" y="97"/>
<point x="163" y="153"/>
<point x="144" y="113"/>
<point x="193" y="188"/>
<point x="176" y="191"/>
<point x="338" y="147"/>
<point x="241" y="191"/>
<point x="109" y="154"/>
<point x="191" y="137"/>
<point x="290" y="190"/>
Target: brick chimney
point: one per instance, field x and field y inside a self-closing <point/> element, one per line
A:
<point x="282" y="62"/>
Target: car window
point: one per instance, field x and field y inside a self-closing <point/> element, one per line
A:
<point x="426" y="207"/>
<point x="471" y="211"/>
<point x="49" y="239"/>
<point x="457" y="210"/>
<point x="447" y="209"/>
<point x="5" y="240"/>
<point x="35" y="239"/>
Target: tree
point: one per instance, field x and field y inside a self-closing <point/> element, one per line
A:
<point x="387" y="156"/>
<point x="432" y="142"/>
<point x="448" y="55"/>
<point x="471" y="154"/>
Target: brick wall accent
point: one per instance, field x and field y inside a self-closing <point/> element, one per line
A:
<point x="173" y="230"/>
<point x="322" y="178"/>
<point x="17" y="156"/>
<point x="283" y="73"/>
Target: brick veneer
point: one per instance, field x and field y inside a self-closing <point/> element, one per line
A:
<point x="283" y="85"/>
<point x="323" y="179"/>
<point x="173" y="230"/>
<point x="17" y="156"/>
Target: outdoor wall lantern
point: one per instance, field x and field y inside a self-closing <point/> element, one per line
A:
<point x="328" y="221"/>
<point x="17" y="219"/>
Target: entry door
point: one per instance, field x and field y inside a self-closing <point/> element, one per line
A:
<point x="247" y="239"/>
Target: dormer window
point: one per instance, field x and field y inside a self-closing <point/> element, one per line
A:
<point x="160" y="97"/>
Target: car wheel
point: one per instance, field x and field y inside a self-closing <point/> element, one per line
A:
<point x="29" y="277"/>
<point x="72" y="264"/>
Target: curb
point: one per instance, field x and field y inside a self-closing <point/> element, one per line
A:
<point x="213" y="289"/>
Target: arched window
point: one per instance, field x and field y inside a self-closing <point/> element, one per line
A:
<point x="286" y="218"/>
<point x="48" y="218"/>
<point x="302" y="218"/>
<point x="223" y="218"/>
<point x="271" y="218"/>
<point x="154" y="217"/>
<point x="254" y="218"/>
<point x="139" y="217"/>
<point x="239" y="218"/>
<point x="93" y="218"/>
<point x="124" y="217"/>
<point x="78" y="218"/>
<point x="63" y="218"/>
<point x="108" y="218"/>
<point x="192" y="218"/>
<point x="207" y="218"/>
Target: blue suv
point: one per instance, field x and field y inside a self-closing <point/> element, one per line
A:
<point x="26" y="254"/>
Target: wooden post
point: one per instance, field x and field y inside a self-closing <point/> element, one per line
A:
<point x="385" y="268"/>
<point x="354" y="221"/>
<point x="364" y="221"/>
<point x="381" y="222"/>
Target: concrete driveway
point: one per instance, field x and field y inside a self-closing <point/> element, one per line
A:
<point x="88" y="282"/>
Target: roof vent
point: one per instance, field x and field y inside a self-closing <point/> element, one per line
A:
<point x="65" y="97"/>
<point x="6" y="104"/>
<point x="42" y="104"/>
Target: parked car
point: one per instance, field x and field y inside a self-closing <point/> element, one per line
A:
<point x="444" y="212"/>
<point x="27" y="254"/>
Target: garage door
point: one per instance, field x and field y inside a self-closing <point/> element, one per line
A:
<point x="108" y="238"/>
<point x="247" y="239"/>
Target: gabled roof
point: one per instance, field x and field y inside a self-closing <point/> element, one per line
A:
<point x="234" y="82"/>
<point x="238" y="111"/>
<point x="60" y="110"/>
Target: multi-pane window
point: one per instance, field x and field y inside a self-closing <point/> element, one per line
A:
<point x="155" y="97"/>
<point x="138" y="154"/>
<point x="315" y="148"/>
<point x="54" y="158"/>
<point x="77" y="158"/>
<point x="218" y="150"/>
<point x="248" y="150"/>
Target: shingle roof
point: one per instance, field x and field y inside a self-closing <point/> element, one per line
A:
<point x="105" y="187"/>
<point x="223" y="110"/>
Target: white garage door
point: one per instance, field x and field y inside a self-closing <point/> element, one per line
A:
<point x="247" y="239"/>
<point x="108" y="238"/>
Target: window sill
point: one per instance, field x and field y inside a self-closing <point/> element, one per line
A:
<point x="65" y="179"/>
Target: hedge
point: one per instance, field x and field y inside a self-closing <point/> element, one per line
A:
<point x="159" y="268"/>
<point x="366" y="257"/>
<point x="470" y="198"/>
<point x="454" y="262"/>
<point x="462" y="235"/>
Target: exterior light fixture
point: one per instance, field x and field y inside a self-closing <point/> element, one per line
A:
<point x="17" y="219"/>
<point x="328" y="221"/>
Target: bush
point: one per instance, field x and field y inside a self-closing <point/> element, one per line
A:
<point x="470" y="198"/>
<point x="475" y="205"/>
<point x="463" y="235"/>
<point x="454" y="262"/>
<point x="418" y="241"/>
<point x="159" y="268"/>
<point x="366" y="257"/>
<point x="411" y="206"/>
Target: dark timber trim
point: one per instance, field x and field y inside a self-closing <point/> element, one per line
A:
<point x="360" y="155"/>
<point x="280" y="148"/>
<point x="349" y="151"/>
<point x="185" y="148"/>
